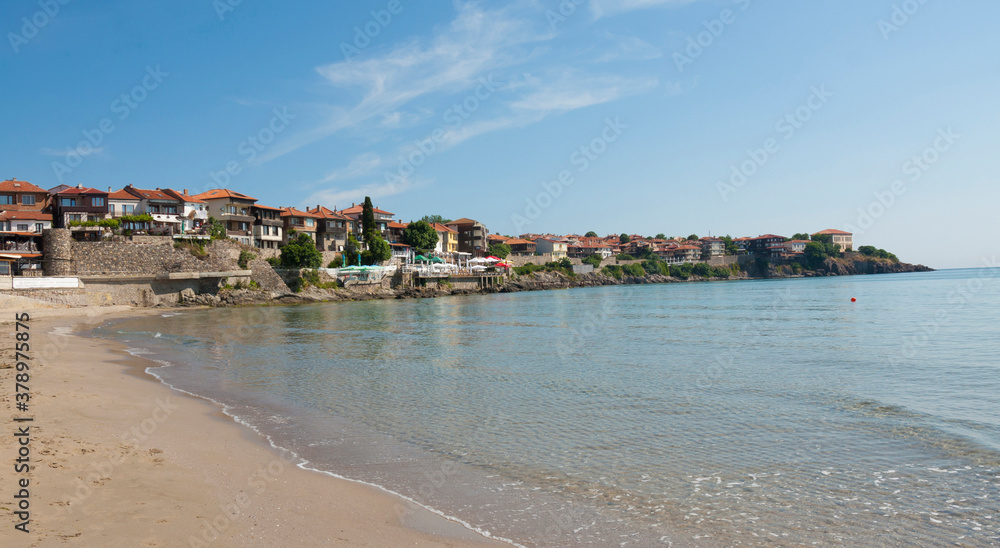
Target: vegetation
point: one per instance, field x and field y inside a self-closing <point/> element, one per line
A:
<point x="216" y="229"/>
<point x="351" y="250"/>
<point x="368" y="226"/>
<point x="817" y="251"/>
<point x="871" y="251"/>
<point x="338" y="260"/>
<point x="624" y="257"/>
<point x="196" y="248"/>
<point x="624" y="238"/>
<point x="593" y="260"/>
<point x="692" y="237"/>
<point x="420" y="235"/>
<point x="800" y="236"/>
<point x="378" y="251"/>
<point x="731" y="247"/>
<point x="661" y="236"/>
<point x="431" y="219"/>
<point x="563" y="266"/>
<point x="500" y="250"/>
<point x="273" y="261"/>
<point x="245" y="258"/>
<point x="301" y="253"/>
<point x="590" y="234"/>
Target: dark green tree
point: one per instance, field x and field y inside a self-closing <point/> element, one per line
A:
<point x="692" y="237"/>
<point x="216" y="229"/>
<point x="593" y="260"/>
<point x="661" y="236"/>
<point x="500" y="250"/>
<point x="624" y="238"/>
<point x="431" y="219"/>
<point x="420" y="235"/>
<point x="800" y="236"/>
<point x="368" y="227"/>
<point x="351" y="249"/>
<point x="378" y="251"/>
<point x="301" y="253"/>
<point x="590" y="234"/>
<point x="822" y="238"/>
<point x="815" y="254"/>
<point x="731" y="247"/>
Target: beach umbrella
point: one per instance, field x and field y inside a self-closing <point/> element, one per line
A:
<point x="493" y="259"/>
<point x="437" y="260"/>
<point x="420" y="258"/>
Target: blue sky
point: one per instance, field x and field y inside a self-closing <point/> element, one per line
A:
<point x="736" y="117"/>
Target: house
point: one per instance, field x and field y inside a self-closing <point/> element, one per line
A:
<point x="78" y="204"/>
<point x="394" y="232"/>
<point x="22" y="196"/>
<point x="165" y="208"/>
<point x="712" y="247"/>
<point x="268" y="226"/>
<point x="331" y="228"/>
<point x="447" y="239"/>
<point x="472" y="236"/>
<point x="122" y="202"/>
<point x="680" y="254"/>
<point x="559" y="249"/>
<point x="795" y="246"/>
<point x="519" y="246"/>
<point x="742" y="245"/>
<point x="845" y="240"/>
<point x="382" y="219"/>
<point x="232" y="209"/>
<point x="25" y="221"/>
<point x="768" y="245"/>
<point x="194" y="212"/>
<point x="298" y="221"/>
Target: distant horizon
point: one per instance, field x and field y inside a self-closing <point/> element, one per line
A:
<point x="875" y="117"/>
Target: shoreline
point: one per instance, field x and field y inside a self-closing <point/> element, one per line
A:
<point x="116" y="456"/>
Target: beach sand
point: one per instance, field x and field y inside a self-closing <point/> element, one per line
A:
<point x="119" y="459"/>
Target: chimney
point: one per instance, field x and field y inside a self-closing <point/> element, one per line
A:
<point x="109" y="189"/>
<point x="185" y="192"/>
<point x="79" y="185"/>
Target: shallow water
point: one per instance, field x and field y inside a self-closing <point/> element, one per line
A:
<point x="705" y="414"/>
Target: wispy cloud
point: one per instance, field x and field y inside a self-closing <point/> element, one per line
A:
<point x="364" y="164"/>
<point x="338" y="197"/>
<point x="81" y="150"/>
<point x="627" y="48"/>
<point x="604" y="8"/>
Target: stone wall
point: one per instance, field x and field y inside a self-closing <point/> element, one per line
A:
<point x="108" y="258"/>
<point x="268" y="279"/>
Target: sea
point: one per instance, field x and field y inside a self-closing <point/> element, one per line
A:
<point x="834" y="411"/>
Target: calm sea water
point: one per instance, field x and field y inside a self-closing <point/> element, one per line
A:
<point x="707" y="414"/>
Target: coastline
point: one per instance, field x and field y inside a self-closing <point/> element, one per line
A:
<point x="116" y="455"/>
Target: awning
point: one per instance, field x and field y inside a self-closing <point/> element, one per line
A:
<point x="161" y="218"/>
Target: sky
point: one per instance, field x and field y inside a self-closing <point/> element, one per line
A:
<point x="737" y="117"/>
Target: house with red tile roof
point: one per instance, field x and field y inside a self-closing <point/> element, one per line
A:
<point x="297" y="221"/>
<point x="472" y="236"/>
<point x="78" y="204"/>
<point x="268" y="226"/>
<point x="18" y="195"/>
<point x="558" y="248"/>
<point x="447" y="239"/>
<point x="767" y="245"/>
<point x="521" y="247"/>
<point x="332" y="228"/>
<point x="232" y="209"/>
<point x="382" y="219"/>
<point x="845" y="240"/>
<point x="25" y="222"/>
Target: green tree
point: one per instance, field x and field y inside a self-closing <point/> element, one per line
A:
<point x="216" y="229"/>
<point x="692" y="237"/>
<point x="351" y="249"/>
<point x="431" y="219"/>
<point x="500" y="250"/>
<point x="822" y="238"/>
<point x="800" y="236"/>
<point x="815" y="254"/>
<point x="661" y="236"/>
<point x="624" y="238"/>
<point x="378" y="251"/>
<point x="593" y="260"/>
<point x="301" y="253"/>
<point x="368" y="227"/>
<point x="731" y="247"/>
<point x="420" y="235"/>
<point x="590" y="234"/>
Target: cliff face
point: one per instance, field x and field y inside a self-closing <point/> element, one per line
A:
<point x="850" y="267"/>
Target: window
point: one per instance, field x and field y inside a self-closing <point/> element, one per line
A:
<point x="5" y="226"/>
<point x="76" y="217"/>
<point x="128" y="209"/>
<point x="39" y="227"/>
<point x="22" y="228"/>
<point x="7" y="199"/>
<point x="172" y="210"/>
<point x="96" y="201"/>
<point x="231" y="209"/>
<point x="310" y="222"/>
<point x="27" y="199"/>
<point x="111" y="209"/>
<point x="68" y="202"/>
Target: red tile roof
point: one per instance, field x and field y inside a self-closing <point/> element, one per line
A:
<point x="217" y="193"/>
<point x="13" y="185"/>
<point x="149" y="194"/>
<point x="122" y="195"/>
<point x="327" y="213"/>
<point x="441" y="228"/>
<point x="259" y="206"/>
<point x="76" y="190"/>
<point x="356" y="209"/>
<point x="292" y="212"/>
<point x="25" y="215"/>
<point x="834" y="231"/>
<point x="463" y="221"/>
<point x="394" y="224"/>
<point x="518" y="241"/>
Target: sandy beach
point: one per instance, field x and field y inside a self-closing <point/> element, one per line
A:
<point x="118" y="458"/>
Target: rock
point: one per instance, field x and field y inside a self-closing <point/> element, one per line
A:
<point x="187" y="295"/>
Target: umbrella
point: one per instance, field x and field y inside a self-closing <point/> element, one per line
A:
<point x="478" y="260"/>
<point x="503" y="265"/>
<point x="493" y="259"/>
<point x="437" y="260"/>
<point x="420" y="258"/>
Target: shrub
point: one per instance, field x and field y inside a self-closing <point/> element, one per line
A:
<point x="613" y="270"/>
<point x="624" y="257"/>
<point x="634" y="269"/>
<point x="593" y="260"/>
<point x="245" y="258"/>
<point x="273" y="261"/>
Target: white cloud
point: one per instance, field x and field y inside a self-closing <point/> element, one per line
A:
<point x="571" y="91"/>
<point x="603" y="8"/>
<point x="628" y="48"/>
<point x="363" y="164"/>
<point x="338" y="197"/>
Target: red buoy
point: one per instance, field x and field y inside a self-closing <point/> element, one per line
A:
<point x="853" y="300"/>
